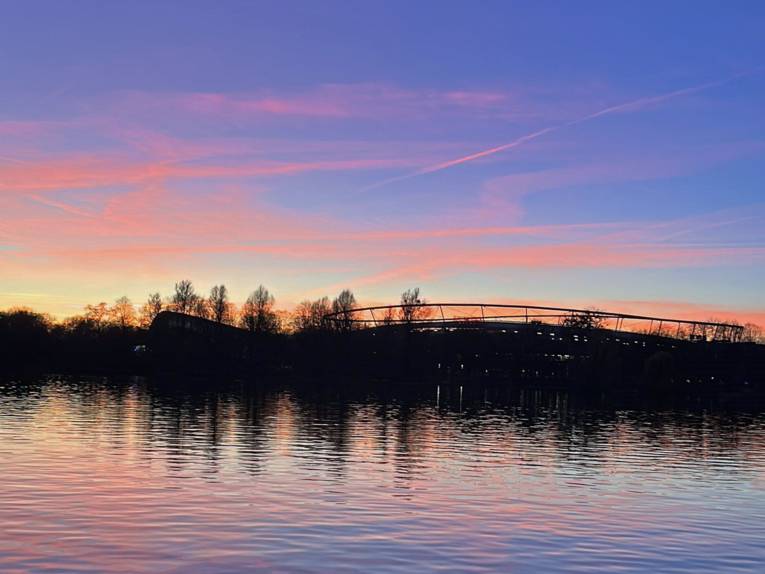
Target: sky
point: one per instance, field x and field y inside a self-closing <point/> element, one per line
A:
<point x="606" y="154"/>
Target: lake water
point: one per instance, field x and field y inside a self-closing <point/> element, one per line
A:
<point x="134" y="476"/>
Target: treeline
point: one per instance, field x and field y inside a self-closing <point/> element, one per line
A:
<point x="106" y="336"/>
<point x="95" y="341"/>
<point x="111" y="336"/>
<point x="257" y="313"/>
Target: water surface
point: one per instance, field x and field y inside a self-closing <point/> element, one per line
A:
<point x="134" y="476"/>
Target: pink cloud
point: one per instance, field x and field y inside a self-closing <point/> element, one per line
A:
<point x="91" y="172"/>
<point x="153" y="220"/>
<point x="207" y="103"/>
<point x="476" y="99"/>
<point x="584" y="255"/>
<point x="134" y="216"/>
<point x="154" y="230"/>
<point x="561" y="231"/>
<point x="629" y="106"/>
<point x="161" y="146"/>
<point x="690" y="311"/>
<point x="61" y="205"/>
<point x="338" y="101"/>
<point x="669" y="309"/>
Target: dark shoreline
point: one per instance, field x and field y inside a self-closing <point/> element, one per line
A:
<point x="576" y="360"/>
<point x="692" y="397"/>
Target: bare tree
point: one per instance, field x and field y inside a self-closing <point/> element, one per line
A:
<point x="320" y="309"/>
<point x="218" y="304"/>
<point x="301" y="317"/>
<point x="97" y="315"/>
<point x="752" y="333"/>
<point x="184" y="299"/>
<point x="309" y="315"/>
<point x="257" y="313"/>
<point x="122" y="313"/>
<point x="709" y="332"/>
<point x="664" y="329"/>
<point x="389" y="317"/>
<point x="343" y="306"/>
<point x="151" y="309"/>
<point x="231" y="315"/>
<point x="412" y="306"/>
<point x="200" y="307"/>
<point x="588" y="319"/>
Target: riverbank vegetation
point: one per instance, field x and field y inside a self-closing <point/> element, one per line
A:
<point x="109" y="337"/>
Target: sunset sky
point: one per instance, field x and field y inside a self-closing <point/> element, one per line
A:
<point x="608" y="154"/>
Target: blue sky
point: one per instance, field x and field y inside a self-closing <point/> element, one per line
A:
<point x="313" y="146"/>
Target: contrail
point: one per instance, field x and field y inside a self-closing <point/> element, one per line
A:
<point x="627" y="106"/>
<point x="446" y="164"/>
<point x="642" y="102"/>
<point x="60" y="205"/>
<point x="11" y="159"/>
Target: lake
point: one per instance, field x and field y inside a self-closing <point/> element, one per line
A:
<point x="139" y="476"/>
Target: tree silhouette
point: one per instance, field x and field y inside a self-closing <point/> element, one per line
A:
<point x="319" y="309"/>
<point x="200" y="308"/>
<point x="151" y="309"/>
<point x="218" y="304"/>
<point x="343" y="306"/>
<point x="24" y="336"/>
<point x="122" y="313"/>
<point x="97" y="315"/>
<point x="21" y="322"/>
<point x="389" y="317"/>
<point x="309" y="315"/>
<point x="184" y="299"/>
<point x="231" y="314"/>
<point x="752" y="333"/>
<point x="412" y="307"/>
<point x="257" y="313"/>
<point x="301" y="317"/>
<point x="588" y="319"/>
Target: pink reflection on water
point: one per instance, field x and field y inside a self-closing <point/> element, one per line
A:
<point x="128" y="478"/>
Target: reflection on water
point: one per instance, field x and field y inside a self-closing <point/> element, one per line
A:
<point x="127" y="476"/>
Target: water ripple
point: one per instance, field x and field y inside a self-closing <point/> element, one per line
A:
<point x="131" y="476"/>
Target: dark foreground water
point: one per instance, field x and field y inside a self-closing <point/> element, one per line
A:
<point x="131" y="476"/>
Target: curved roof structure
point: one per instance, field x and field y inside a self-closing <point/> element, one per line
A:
<point x="490" y="315"/>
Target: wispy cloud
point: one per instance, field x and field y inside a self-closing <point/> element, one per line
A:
<point x="338" y="101"/>
<point x="633" y="105"/>
<point x="116" y="196"/>
<point x="89" y="172"/>
<point x="61" y="205"/>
